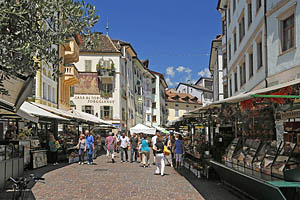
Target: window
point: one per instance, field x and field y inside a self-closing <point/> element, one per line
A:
<point x="106" y="112"/>
<point x="88" y="65"/>
<point x="147" y="103"/>
<point x="259" y="55"/>
<point x="242" y="74"/>
<point x="229" y="50"/>
<point x="250" y="65"/>
<point x="106" y="90"/>
<point x="234" y="41"/>
<point x="258" y="4"/>
<point x="288" y="34"/>
<point x="153" y="91"/>
<point x="53" y="95"/>
<point x="72" y="90"/>
<point x="44" y="91"/>
<point x="234" y="6"/>
<point x="249" y="14"/>
<point x="225" y="86"/>
<point x="176" y="112"/>
<point x="242" y="28"/>
<point x="148" y="118"/>
<point x="88" y="109"/>
<point x="224" y="60"/>
<point x="154" y="118"/>
<point x="153" y="104"/>
<point x="235" y="82"/>
<point x="49" y="93"/>
<point x="230" y="89"/>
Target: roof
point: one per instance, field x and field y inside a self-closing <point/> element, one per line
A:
<point x="213" y="51"/>
<point x="119" y="43"/>
<point x="181" y="97"/>
<point x="97" y="42"/>
<point x="162" y="78"/>
<point x="197" y="87"/>
<point x="206" y="78"/>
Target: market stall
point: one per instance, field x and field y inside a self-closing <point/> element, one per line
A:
<point x="140" y="128"/>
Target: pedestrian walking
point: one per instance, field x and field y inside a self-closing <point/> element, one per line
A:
<point x="160" y="157"/>
<point x="81" y="146"/>
<point x="124" y="147"/>
<point x="141" y="137"/>
<point x="90" y="146"/>
<point x="145" y="151"/>
<point x="53" y="150"/>
<point x="179" y="149"/>
<point x="110" y="144"/>
<point x="153" y="142"/>
<point x="169" y="146"/>
<point x="134" y="140"/>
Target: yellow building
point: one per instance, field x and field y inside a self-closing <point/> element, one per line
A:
<point x="179" y="103"/>
<point x="69" y="75"/>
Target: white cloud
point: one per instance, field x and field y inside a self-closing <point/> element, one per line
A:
<point x="180" y="68"/>
<point x="169" y="82"/>
<point x="170" y="71"/>
<point x="204" y="73"/>
<point x="187" y="70"/>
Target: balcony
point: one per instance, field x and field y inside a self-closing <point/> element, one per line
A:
<point x="71" y="75"/>
<point x="106" y="71"/>
<point x="71" y="54"/>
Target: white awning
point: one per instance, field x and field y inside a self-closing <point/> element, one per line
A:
<point x="89" y="117"/>
<point x="141" y="128"/>
<point x="27" y="116"/>
<point x="36" y="111"/>
<point x="56" y="111"/>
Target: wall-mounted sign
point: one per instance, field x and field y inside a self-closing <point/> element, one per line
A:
<point x="93" y="99"/>
<point x="290" y="114"/>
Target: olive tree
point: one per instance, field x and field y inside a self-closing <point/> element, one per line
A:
<point x="31" y="30"/>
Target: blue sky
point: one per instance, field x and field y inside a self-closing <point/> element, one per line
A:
<point x="174" y="35"/>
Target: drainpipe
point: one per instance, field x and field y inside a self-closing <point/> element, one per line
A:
<point x="266" y="43"/>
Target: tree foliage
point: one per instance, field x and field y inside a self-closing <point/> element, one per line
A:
<point x="31" y="30"/>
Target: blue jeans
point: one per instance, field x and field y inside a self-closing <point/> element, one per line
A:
<point x="89" y="154"/>
<point x="135" y="152"/>
<point x="122" y="153"/>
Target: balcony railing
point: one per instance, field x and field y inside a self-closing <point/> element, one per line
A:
<point x="71" y="74"/>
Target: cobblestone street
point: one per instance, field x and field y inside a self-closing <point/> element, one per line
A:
<point x="113" y="181"/>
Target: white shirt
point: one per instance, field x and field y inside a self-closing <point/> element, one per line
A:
<point x="153" y="140"/>
<point x="124" y="141"/>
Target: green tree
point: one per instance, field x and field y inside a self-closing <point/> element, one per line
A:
<point x="31" y="30"/>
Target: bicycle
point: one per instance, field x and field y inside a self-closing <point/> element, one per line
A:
<point x="20" y="186"/>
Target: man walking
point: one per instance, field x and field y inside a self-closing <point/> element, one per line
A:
<point x="153" y="141"/>
<point x="134" y="147"/>
<point x="90" y="146"/>
<point x="110" y="144"/>
<point x="124" y="147"/>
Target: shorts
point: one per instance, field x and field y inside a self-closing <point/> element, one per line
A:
<point x="178" y="157"/>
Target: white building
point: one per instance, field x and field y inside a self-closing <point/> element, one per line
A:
<point x="202" y="90"/>
<point x="259" y="54"/>
<point x="216" y="68"/>
<point x="102" y="90"/>
<point x="159" y="111"/>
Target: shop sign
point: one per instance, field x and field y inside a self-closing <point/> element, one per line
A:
<point x="93" y="99"/>
<point x="199" y="126"/>
<point x="290" y="114"/>
<point x="185" y="127"/>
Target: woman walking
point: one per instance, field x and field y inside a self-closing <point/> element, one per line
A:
<point x="81" y="147"/>
<point x="145" y="150"/>
<point x="179" y="149"/>
<point x="160" y="158"/>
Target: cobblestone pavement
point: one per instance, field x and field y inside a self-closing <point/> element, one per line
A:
<point x="113" y="181"/>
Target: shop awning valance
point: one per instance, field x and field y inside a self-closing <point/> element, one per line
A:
<point x="141" y="128"/>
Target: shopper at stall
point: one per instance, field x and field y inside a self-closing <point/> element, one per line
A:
<point x="134" y="140"/>
<point x="81" y="148"/>
<point x="145" y="151"/>
<point x="53" y="150"/>
<point x="110" y="144"/>
<point x="160" y="158"/>
<point x="90" y="146"/>
<point x="141" y="137"/>
<point x="124" y="147"/>
<point x="153" y="142"/>
<point x="179" y="149"/>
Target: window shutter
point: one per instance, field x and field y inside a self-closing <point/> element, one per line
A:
<point x="110" y="112"/>
<point x="102" y="112"/>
